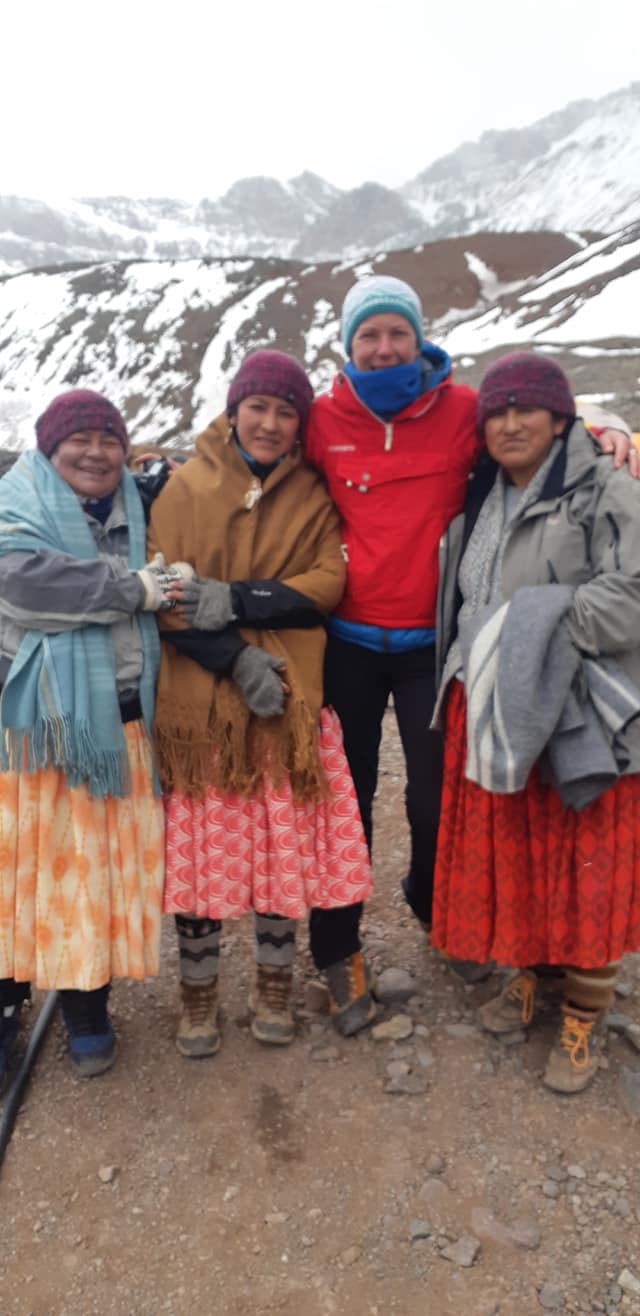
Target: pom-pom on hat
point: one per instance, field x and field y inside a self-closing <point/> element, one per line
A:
<point x="524" y="379"/>
<point x="271" y="374"/>
<point x="374" y="296"/>
<point x="77" y="411"/>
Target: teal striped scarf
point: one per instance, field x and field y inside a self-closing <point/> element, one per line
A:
<point x="59" y="707"/>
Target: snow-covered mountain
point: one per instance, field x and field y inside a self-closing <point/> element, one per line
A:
<point x="577" y="169"/>
<point x="162" y="338"/>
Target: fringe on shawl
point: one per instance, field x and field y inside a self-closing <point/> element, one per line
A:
<point x="234" y="749"/>
<point x="61" y="743"/>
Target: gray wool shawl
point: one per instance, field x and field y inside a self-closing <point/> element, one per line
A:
<point x="532" y="696"/>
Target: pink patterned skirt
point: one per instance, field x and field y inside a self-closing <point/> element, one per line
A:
<point x="227" y="854"/>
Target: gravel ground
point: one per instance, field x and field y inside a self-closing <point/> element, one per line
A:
<point x="421" y="1169"/>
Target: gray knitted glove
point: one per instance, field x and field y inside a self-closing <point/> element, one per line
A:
<point x="207" y="604"/>
<point x="256" y="672"/>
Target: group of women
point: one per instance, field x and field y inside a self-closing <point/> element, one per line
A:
<point x="221" y="756"/>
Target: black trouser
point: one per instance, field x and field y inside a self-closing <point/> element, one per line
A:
<point x="73" y="1001"/>
<point x="358" y="683"/>
<point x="13" y="993"/>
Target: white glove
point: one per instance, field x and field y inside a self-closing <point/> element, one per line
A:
<point x="180" y="570"/>
<point x="157" y="577"/>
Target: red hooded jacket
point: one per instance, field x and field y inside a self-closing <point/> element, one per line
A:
<point x="397" y="485"/>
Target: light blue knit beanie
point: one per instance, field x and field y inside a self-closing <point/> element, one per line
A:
<point x="376" y="295"/>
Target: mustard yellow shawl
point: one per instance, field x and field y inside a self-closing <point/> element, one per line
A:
<point x="216" y="515"/>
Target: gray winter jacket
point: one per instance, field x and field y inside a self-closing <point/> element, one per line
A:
<point x="53" y="592"/>
<point x="583" y="531"/>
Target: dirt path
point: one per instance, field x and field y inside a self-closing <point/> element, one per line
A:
<point x="292" y="1181"/>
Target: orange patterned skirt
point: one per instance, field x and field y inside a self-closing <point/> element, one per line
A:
<point x="522" y="880"/>
<point x="80" y="878"/>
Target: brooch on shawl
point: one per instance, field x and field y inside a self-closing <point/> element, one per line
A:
<point x="253" y="494"/>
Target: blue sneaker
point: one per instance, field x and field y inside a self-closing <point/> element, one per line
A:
<point x="91" y="1039"/>
<point x="9" y="1025"/>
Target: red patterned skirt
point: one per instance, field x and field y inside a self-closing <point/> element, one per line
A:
<point x="522" y="880"/>
<point x="227" y="854"/>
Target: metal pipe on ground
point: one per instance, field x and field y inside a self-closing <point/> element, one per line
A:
<point x="17" y="1089"/>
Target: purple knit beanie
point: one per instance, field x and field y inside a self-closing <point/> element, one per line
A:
<point x="524" y="379"/>
<point x="274" y="375"/>
<point x="75" y="412"/>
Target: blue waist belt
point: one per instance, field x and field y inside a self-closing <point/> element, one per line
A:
<point x="379" y="638"/>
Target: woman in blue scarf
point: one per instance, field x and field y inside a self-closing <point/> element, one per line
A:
<point x="81" y="823"/>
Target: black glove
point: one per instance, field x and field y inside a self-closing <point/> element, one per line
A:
<point x="256" y="673"/>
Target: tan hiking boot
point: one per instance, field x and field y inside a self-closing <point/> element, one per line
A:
<point x="513" y="1008"/>
<point x="271" y="1002"/>
<point x="578" y="1045"/>
<point x="351" y="1001"/>
<point x="198" y="1034"/>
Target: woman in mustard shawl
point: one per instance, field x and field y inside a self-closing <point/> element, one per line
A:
<point x="260" y="809"/>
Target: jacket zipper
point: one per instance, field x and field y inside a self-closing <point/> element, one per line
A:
<point x="388" y="426"/>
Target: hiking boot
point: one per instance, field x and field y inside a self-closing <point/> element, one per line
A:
<point x="9" y="1025"/>
<point x="578" y="1045"/>
<point x="198" y="1033"/>
<point x="513" y="1008"/>
<point x="90" y="1036"/>
<point x="271" y="1003"/>
<point x="351" y="1002"/>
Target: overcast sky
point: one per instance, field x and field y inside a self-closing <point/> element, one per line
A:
<point x="138" y="98"/>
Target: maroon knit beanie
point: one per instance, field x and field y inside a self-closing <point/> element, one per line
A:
<point x="75" y="412"/>
<point x="274" y="375"/>
<point x="524" y="379"/>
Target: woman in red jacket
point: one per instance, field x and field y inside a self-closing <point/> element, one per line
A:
<point x="396" y="441"/>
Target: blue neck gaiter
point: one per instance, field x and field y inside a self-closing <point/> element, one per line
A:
<point x="388" y="391"/>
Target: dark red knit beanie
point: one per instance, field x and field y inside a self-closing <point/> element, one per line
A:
<point x="524" y="379"/>
<point x="274" y="375"/>
<point x="77" y="411"/>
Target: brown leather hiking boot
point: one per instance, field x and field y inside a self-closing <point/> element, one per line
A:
<point x="198" y="1034"/>
<point x="351" y="1005"/>
<point x="578" y="1045"/>
<point x="513" y="1008"/>
<point x="271" y="1003"/>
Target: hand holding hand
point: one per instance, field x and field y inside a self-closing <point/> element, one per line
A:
<point x="205" y="604"/>
<point x="158" y="580"/>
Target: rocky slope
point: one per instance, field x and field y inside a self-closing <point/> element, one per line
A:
<point x="163" y="337"/>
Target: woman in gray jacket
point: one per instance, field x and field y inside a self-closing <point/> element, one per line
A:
<point x="539" y="639"/>
<point x="81" y="824"/>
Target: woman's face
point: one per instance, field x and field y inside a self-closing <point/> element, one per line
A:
<point x="519" y="439"/>
<point x="91" y="462"/>
<point x="267" y="427"/>
<point x="384" y="340"/>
